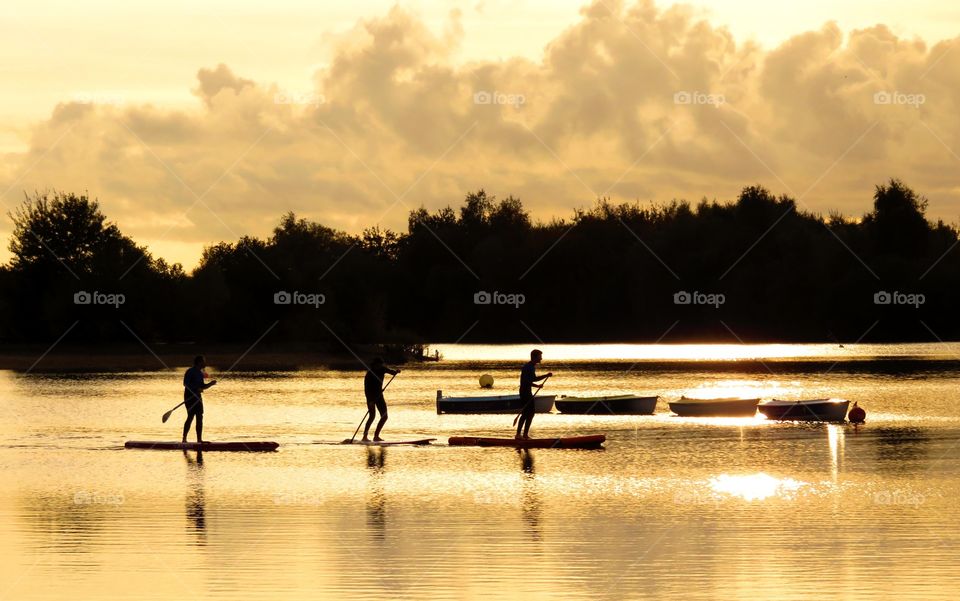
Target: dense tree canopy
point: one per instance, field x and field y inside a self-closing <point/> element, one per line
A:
<point x="757" y="268"/>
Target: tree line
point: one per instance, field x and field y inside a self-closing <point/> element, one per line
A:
<point x="754" y="269"/>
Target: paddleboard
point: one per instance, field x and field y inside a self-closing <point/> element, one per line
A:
<point x="570" y="442"/>
<point x="391" y="443"/>
<point x="253" y="445"/>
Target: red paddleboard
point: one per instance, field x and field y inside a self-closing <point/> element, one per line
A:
<point x="570" y="442"/>
<point x="391" y="443"/>
<point x="157" y="445"/>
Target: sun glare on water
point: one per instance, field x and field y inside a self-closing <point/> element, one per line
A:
<point x="754" y="487"/>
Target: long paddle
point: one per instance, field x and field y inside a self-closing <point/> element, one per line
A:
<point x="167" y="415"/>
<point x="530" y="401"/>
<point x="350" y="441"/>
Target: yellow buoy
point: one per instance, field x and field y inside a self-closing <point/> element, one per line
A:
<point x="486" y="381"/>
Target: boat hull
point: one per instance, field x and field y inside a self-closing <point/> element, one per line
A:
<point x="715" y="407"/>
<point x="570" y="442"/>
<point x="493" y="404"/>
<point x="818" y="410"/>
<point x="608" y="405"/>
<point x="237" y="446"/>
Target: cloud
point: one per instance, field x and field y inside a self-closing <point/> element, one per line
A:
<point x="631" y="101"/>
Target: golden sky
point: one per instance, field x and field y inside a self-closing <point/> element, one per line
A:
<point x="199" y="122"/>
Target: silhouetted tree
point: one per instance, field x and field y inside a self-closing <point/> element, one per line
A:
<point x="609" y="273"/>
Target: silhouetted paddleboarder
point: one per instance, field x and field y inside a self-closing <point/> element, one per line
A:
<point x="373" y="389"/>
<point x="528" y="381"/>
<point x="193" y="387"/>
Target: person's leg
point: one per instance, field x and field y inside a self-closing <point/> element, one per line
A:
<point x="200" y="426"/>
<point x="382" y="406"/>
<point x="531" y="410"/>
<point x="187" y="424"/>
<point x="371" y="413"/>
<point x="524" y="415"/>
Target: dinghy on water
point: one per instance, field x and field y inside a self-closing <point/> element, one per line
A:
<point x="569" y="442"/>
<point x="726" y="407"/>
<point x="238" y="446"/>
<point x="814" y="410"/>
<point x="622" y="404"/>
<point x="506" y="403"/>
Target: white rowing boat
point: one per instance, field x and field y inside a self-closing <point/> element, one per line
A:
<point x="505" y="403"/>
<point x="817" y="410"/>
<point x="723" y="407"/>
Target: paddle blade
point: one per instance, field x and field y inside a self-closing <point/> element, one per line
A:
<point x="166" y="416"/>
<point x="347" y="441"/>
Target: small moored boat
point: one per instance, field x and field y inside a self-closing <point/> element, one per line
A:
<point x="506" y="403"/>
<point x="594" y="441"/>
<point x="817" y="410"/>
<point x="159" y="445"/>
<point x="622" y="404"/>
<point x="726" y="407"/>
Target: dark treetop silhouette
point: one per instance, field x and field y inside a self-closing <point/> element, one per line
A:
<point x="609" y="273"/>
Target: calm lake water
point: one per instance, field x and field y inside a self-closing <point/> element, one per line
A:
<point x="672" y="508"/>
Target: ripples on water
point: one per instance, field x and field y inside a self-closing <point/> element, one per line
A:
<point x="684" y="508"/>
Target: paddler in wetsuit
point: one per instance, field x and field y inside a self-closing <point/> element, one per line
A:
<point x="373" y="390"/>
<point x="528" y="381"/>
<point x="193" y="387"/>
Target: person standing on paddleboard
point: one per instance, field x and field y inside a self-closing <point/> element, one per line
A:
<point x="373" y="389"/>
<point x="193" y="387"/>
<point x="528" y="381"/>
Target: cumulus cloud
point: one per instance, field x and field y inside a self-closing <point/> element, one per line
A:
<point x="631" y="101"/>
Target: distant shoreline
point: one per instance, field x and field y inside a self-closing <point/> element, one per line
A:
<point x="238" y="357"/>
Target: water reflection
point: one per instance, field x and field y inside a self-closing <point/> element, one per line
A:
<point x="675" y="508"/>
<point x="377" y="498"/>
<point x="531" y="504"/>
<point x="899" y="447"/>
<point x="196" y="500"/>
<point x="835" y="442"/>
